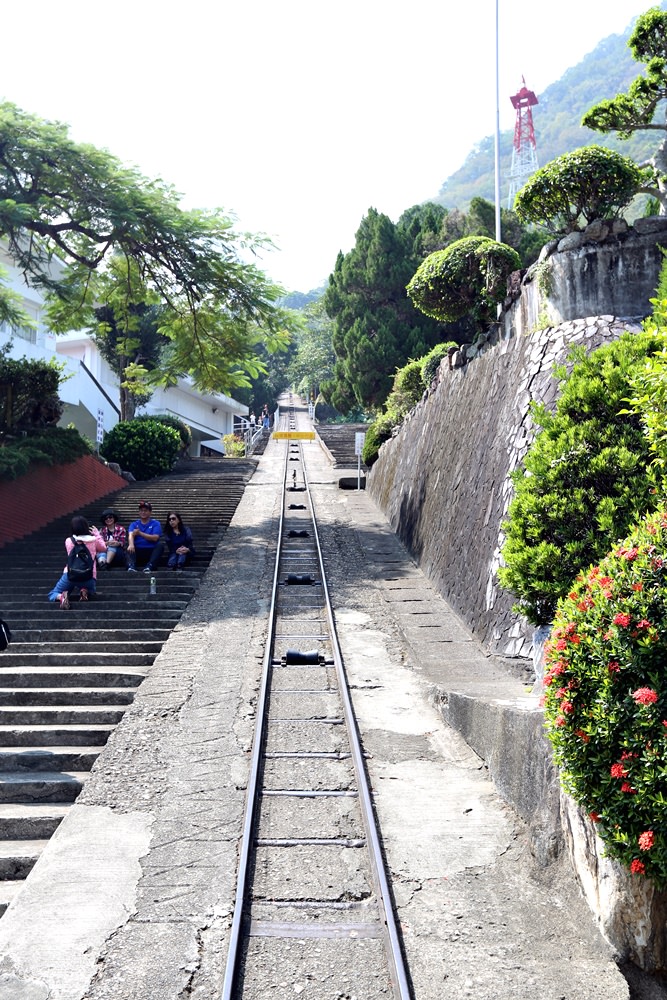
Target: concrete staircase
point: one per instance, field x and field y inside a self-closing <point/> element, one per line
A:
<point x="69" y="676"/>
<point x="338" y="440"/>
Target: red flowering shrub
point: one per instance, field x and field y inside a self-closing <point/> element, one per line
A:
<point x="606" y="697"/>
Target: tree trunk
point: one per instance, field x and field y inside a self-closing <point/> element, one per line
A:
<point x="660" y="164"/>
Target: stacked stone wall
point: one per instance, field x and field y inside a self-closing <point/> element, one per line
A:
<point x="443" y="480"/>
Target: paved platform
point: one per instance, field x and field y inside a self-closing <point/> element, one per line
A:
<point x="132" y="898"/>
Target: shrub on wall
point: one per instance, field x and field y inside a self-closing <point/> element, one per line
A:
<point x="467" y="278"/>
<point x="410" y="382"/>
<point x="28" y="394"/>
<point x="606" y="697"/>
<point x="376" y="435"/>
<point x="431" y="361"/>
<point x="144" y="447"/>
<point x="51" y="446"/>
<point x="578" y="187"/>
<point x="585" y="479"/>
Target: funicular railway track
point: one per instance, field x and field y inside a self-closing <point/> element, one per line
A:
<point x="313" y="904"/>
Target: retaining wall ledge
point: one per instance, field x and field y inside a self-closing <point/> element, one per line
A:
<point x="509" y="737"/>
<point x="48" y="492"/>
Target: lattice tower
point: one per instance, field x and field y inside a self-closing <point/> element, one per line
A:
<point x="524" y="149"/>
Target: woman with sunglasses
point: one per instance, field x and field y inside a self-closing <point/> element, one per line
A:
<point x="178" y="539"/>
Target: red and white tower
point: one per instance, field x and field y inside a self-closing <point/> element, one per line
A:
<point x="524" y="150"/>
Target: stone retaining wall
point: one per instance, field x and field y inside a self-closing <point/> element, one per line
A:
<point x="443" y="481"/>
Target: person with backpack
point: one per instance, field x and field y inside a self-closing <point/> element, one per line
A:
<point x="80" y="571"/>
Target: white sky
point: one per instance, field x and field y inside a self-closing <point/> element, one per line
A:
<point x="294" y="117"/>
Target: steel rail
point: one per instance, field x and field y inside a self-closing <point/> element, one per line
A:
<point x="387" y="923"/>
<point x="394" y="950"/>
<point x="255" y="766"/>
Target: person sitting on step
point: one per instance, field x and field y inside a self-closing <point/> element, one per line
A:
<point x="143" y="540"/>
<point x="90" y="536"/>
<point x="115" y="536"/>
<point x="178" y="541"/>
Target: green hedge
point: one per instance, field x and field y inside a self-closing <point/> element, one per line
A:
<point x="584" y="481"/>
<point x="168" y="420"/>
<point x="145" y="447"/>
<point x="52" y="446"/>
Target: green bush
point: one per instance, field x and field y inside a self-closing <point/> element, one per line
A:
<point x="584" y="480"/>
<point x="234" y="445"/>
<point x="168" y="420"/>
<point x="431" y="361"/>
<point x="376" y="435"/>
<point x="28" y="393"/>
<point x="51" y="446"/>
<point x="144" y="447"/>
<point x="606" y="697"/>
<point x="577" y="187"/>
<point x="469" y="277"/>
<point x="406" y="392"/>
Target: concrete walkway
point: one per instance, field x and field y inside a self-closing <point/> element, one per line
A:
<point x="132" y="898"/>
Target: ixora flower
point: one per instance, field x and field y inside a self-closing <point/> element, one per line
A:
<point x="646" y="840"/>
<point x="605" y="701"/>
<point x="645" y="696"/>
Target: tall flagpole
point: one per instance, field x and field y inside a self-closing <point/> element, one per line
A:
<point x="497" y="137"/>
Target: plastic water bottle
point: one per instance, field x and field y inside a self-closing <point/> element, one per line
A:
<point x="153" y="586"/>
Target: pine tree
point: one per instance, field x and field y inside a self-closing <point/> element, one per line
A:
<point x="376" y="327"/>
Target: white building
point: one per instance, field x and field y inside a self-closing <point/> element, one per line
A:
<point x="89" y="388"/>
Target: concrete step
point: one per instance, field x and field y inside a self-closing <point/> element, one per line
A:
<point x="101" y="635"/>
<point x="120" y="607"/>
<point x="114" y="583"/>
<point x="41" y="786"/>
<point x="69" y="676"/>
<point x="48" y="677"/>
<point x="74" y="660"/>
<point x="70" y="646"/>
<point x="18" y="857"/>
<point x="49" y="618"/>
<point x="86" y="734"/>
<point x="8" y="892"/>
<point x="54" y="715"/>
<point x="65" y="696"/>
<point x="25" y="760"/>
<point x="30" y="820"/>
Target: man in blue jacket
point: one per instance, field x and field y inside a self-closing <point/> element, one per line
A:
<point x="143" y="540"/>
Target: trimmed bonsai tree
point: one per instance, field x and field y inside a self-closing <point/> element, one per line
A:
<point x="641" y="108"/>
<point x="578" y="187"/>
<point x="468" y="277"/>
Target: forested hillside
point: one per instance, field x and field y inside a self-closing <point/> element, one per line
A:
<point x="606" y="71"/>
